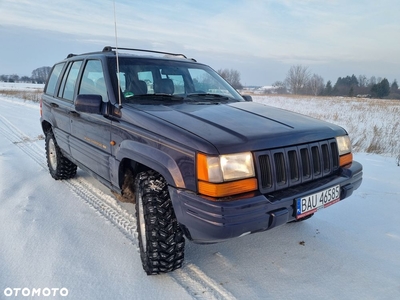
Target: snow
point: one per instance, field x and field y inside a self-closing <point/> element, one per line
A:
<point x="73" y="234"/>
<point x="373" y="124"/>
<point x="20" y="86"/>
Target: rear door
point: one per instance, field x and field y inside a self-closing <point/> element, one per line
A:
<point x="58" y="97"/>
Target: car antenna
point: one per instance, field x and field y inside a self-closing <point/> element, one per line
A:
<point x="116" y="53"/>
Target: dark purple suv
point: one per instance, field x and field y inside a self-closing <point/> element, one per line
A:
<point x="198" y="159"/>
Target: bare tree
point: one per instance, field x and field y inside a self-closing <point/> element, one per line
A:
<point x="394" y="88"/>
<point x="40" y="75"/>
<point x="362" y="80"/>
<point x="297" y="78"/>
<point x="280" y="87"/>
<point x="25" y="79"/>
<point x="232" y="76"/>
<point x="316" y="84"/>
<point x="372" y="81"/>
<point x="13" y="78"/>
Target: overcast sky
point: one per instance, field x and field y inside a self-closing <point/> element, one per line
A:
<point x="260" y="39"/>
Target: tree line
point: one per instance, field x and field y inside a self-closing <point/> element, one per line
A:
<point x="232" y="76"/>
<point x="39" y="75"/>
<point x="300" y="81"/>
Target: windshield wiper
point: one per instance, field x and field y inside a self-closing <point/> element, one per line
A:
<point x="153" y="97"/>
<point x="209" y="97"/>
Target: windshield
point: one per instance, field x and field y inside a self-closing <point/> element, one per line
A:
<point x="156" y="80"/>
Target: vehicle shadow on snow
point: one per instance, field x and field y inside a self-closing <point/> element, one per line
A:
<point x="258" y="250"/>
<point x="282" y="255"/>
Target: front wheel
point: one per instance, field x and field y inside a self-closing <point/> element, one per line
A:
<point x="161" y="240"/>
<point x="60" y="167"/>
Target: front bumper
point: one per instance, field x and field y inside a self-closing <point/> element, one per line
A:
<point x="206" y="221"/>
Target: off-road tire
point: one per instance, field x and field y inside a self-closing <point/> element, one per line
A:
<point x="161" y="240"/>
<point x="60" y="167"/>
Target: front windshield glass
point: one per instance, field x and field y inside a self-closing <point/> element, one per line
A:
<point x="148" y="80"/>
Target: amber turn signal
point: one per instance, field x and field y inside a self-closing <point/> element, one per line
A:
<point x="346" y="159"/>
<point x="227" y="188"/>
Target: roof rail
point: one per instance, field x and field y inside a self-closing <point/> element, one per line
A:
<point x="110" y="48"/>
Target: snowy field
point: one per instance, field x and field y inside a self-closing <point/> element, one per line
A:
<point x="373" y="124"/>
<point x="4" y="86"/>
<point x="73" y="235"/>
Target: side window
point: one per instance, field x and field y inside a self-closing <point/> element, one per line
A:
<point x="69" y="80"/>
<point x="93" y="80"/>
<point x="53" y="79"/>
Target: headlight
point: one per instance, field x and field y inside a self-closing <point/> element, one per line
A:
<point x="344" y="144"/>
<point x="226" y="167"/>
<point x="344" y="148"/>
<point x="225" y="175"/>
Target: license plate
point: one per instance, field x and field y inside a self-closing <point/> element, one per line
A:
<point x="310" y="204"/>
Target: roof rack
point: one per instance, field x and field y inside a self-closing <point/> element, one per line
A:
<point x="109" y="49"/>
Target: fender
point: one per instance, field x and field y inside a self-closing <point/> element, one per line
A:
<point x="150" y="157"/>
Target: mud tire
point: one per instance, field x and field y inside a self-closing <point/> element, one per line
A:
<point x="161" y="240"/>
<point x="60" y="167"/>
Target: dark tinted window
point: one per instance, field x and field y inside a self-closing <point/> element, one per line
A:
<point x="53" y="79"/>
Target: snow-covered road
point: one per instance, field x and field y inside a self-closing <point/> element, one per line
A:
<point x="74" y="235"/>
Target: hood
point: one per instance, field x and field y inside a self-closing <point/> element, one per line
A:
<point x="244" y="126"/>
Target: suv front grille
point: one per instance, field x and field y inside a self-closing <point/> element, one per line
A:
<point x="285" y="167"/>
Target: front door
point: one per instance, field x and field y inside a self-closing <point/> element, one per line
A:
<point x="90" y="133"/>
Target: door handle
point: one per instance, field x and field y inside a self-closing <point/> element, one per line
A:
<point x="54" y="105"/>
<point x="74" y="113"/>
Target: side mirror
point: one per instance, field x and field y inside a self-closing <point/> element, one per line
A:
<point x="89" y="104"/>
<point x="247" y="98"/>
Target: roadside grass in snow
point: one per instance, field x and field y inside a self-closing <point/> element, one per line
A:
<point x="30" y="95"/>
<point x="25" y="91"/>
<point x="373" y="124"/>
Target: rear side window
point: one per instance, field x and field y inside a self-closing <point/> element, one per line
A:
<point x="69" y="81"/>
<point x="53" y="79"/>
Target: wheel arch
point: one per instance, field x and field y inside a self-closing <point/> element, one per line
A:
<point x="139" y="157"/>
<point x="46" y="126"/>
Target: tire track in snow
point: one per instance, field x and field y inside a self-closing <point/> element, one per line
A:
<point x="199" y="284"/>
<point x="18" y="138"/>
<point x="190" y="277"/>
